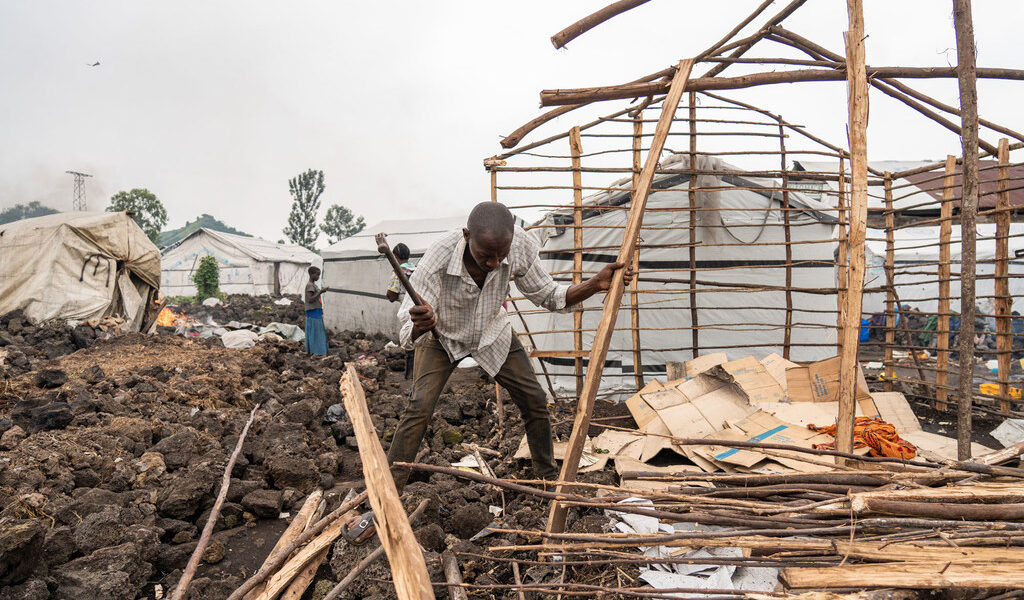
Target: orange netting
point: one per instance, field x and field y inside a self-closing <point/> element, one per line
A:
<point x="876" y="434"/>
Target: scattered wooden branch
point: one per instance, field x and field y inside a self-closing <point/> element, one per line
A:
<point x="311" y="511"/>
<point x="393" y="528"/>
<point x="370" y="558"/>
<point x="929" y="575"/>
<point x="588" y="22"/>
<point x="453" y="576"/>
<point x="204" y="539"/>
<point x="277" y="559"/>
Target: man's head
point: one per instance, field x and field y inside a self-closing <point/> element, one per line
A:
<point x="401" y="252"/>
<point x="488" y="233"/>
<point x="314" y="274"/>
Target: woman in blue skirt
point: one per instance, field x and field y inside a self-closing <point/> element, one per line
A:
<point x="316" y="334"/>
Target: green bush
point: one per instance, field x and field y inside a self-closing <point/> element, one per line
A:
<point x="207" y="278"/>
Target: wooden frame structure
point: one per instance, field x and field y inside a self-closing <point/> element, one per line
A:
<point x="542" y="163"/>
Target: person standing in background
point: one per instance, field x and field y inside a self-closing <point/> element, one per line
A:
<point x="395" y="293"/>
<point x="316" y="333"/>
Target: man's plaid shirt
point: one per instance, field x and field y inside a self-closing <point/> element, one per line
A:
<point x="471" y="320"/>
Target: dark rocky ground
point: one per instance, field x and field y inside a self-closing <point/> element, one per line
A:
<point x="112" y="450"/>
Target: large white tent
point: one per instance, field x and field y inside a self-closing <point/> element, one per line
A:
<point x="737" y="215"/>
<point x="916" y="259"/>
<point x="358" y="275"/>
<point x="79" y="266"/>
<point x="248" y="265"/>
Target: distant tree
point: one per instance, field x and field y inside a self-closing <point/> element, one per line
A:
<point x="24" y="211"/>
<point x="339" y="223"/>
<point x="207" y="278"/>
<point x="305" y="190"/>
<point x="144" y="207"/>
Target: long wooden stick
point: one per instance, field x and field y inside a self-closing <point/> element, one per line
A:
<point x="453" y="576"/>
<point x="407" y="564"/>
<point x="613" y="299"/>
<point x="942" y="329"/>
<point x="634" y="287"/>
<point x="588" y="22"/>
<point x="576" y="149"/>
<point x="204" y="539"/>
<point x="967" y="78"/>
<point x="1004" y="301"/>
<point x="559" y="97"/>
<point x="857" y="89"/>
<point x="890" y="291"/>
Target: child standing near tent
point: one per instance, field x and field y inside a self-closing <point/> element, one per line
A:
<point x="316" y="334"/>
<point x="396" y="293"/>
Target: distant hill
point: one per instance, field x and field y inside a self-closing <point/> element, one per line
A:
<point x="174" y="236"/>
<point x="25" y="211"/>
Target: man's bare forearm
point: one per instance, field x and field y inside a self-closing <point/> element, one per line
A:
<point x="581" y="291"/>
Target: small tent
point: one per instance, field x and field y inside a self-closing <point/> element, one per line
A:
<point x="248" y="265"/>
<point x="915" y="264"/>
<point x="358" y="275"/>
<point x="79" y="266"/>
<point x="739" y="245"/>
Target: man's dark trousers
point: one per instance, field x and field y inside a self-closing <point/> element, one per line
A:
<point x="432" y="368"/>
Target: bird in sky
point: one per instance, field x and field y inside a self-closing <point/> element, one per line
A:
<point x="95" y="64"/>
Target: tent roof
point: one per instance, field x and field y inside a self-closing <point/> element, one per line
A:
<point x="816" y="209"/>
<point x="417" y="234"/>
<point x="929" y="182"/>
<point x="258" y="248"/>
<point x="114" y="233"/>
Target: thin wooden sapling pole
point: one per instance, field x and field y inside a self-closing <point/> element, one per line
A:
<point x="857" y="101"/>
<point x="634" y="287"/>
<point x="942" y="328"/>
<point x="788" y="335"/>
<point x="204" y="538"/>
<point x="590" y="21"/>
<point x="497" y="387"/>
<point x="1004" y="301"/>
<point x="576" y="149"/>
<point x="691" y="220"/>
<point x="613" y="299"/>
<point x="967" y="78"/>
<point x="890" y="292"/>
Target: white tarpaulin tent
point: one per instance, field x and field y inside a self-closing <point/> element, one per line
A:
<point x="358" y="275"/>
<point x="248" y="265"/>
<point x="738" y="215"/>
<point x="79" y="266"/>
<point x="916" y="267"/>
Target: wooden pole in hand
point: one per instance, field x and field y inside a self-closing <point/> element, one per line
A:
<point x="497" y="387"/>
<point x="613" y="299"/>
<point x="967" y="76"/>
<point x="857" y="89"/>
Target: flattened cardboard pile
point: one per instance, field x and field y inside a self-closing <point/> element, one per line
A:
<point x="770" y="400"/>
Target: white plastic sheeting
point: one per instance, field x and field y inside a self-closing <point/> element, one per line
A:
<point x="79" y="266"/>
<point x="358" y="275"/>
<point x="248" y="265"/>
<point x="739" y="235"/>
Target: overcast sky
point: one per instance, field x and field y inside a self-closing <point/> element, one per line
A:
<point x="214" y="105"/>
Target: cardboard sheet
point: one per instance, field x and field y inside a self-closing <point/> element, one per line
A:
<point x="776" y="367"/>
<point x="753" y="379"/>
<point x="819" y="382"/>
<point x="703" y="363"/>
